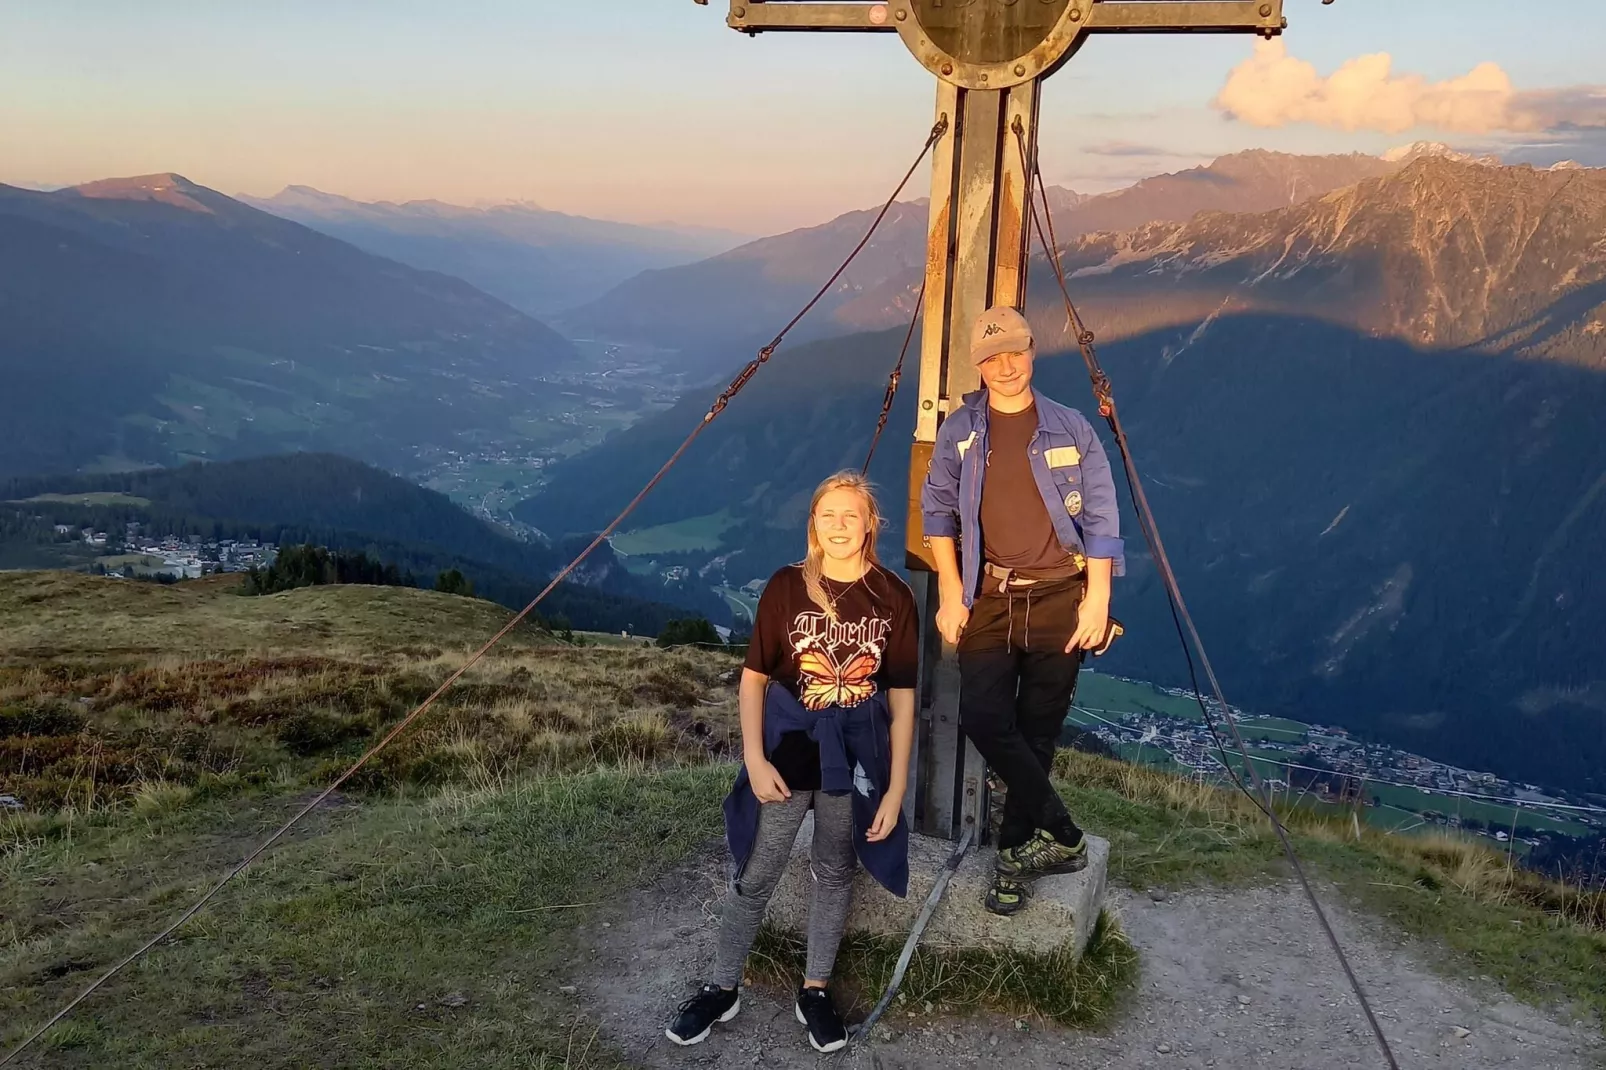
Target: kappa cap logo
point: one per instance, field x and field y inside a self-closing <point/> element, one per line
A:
<point x="992" y="329"/>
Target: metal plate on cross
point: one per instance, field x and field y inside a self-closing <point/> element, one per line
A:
<point x="991" y="44"/>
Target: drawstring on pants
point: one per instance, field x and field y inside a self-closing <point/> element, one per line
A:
<point x="1009" y="614"/>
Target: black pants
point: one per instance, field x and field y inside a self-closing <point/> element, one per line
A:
<point x="1015" y="688"/>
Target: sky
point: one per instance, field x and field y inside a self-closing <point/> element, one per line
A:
<point x="653" y="111"/>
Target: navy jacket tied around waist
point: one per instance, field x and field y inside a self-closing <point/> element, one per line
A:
<point x="855" y="759"/>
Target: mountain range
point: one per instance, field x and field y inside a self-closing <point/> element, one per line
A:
<point x="537" y="260"/>
<point x="152" y="320"/>
<point x="715" y="310"/>
<point x="1441" y="254"/>
<point x="1369" y="425"/>
<point x="1365" y="394"/>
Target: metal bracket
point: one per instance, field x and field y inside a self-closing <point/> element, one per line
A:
<point x="758" y="16"/>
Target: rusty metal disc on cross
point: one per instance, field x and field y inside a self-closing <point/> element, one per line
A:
<point x="989" y="44"/>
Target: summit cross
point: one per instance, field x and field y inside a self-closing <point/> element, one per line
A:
<point x="989" y="58"/>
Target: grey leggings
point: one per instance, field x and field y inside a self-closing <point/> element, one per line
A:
<point x="833" y="866"/>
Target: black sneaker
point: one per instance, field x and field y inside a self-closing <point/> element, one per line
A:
<point x="697" y="1015"/>
<point x="814" y="1009"/>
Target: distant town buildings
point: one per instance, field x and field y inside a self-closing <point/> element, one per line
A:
<point x="1337" y="767"/>
<point x="179" y="558"/>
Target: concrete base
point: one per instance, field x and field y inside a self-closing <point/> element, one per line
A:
<point x="1061" y="913"/>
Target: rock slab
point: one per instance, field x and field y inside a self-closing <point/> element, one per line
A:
<point x="1062" y="912"/>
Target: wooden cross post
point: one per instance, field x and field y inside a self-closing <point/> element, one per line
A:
<point x="990" y="58"/>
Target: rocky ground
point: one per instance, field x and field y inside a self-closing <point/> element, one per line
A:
<point x="1239" y="978"/>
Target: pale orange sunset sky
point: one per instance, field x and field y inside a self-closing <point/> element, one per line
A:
<point x="664" y="114"/>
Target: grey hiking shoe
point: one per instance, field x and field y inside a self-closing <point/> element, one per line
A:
<point x="1041" y="856"/>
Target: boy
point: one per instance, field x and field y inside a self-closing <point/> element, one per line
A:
<point x="1024" y="485"/>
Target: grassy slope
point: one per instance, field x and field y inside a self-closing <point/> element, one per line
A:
<point x="418" y="933"/>
<point x="1101" y="692"/>
<point x="108" y="686"/>
<point x="67" y="615"/>
<point x="1542" y="941"/>
<point x="431" y="923"/>
<point x="438" y="930"/>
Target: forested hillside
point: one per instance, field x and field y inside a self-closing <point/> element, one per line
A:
<point x="332" y="501"/>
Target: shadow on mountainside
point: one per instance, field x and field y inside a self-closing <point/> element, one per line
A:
<point x="1398" y="540"/>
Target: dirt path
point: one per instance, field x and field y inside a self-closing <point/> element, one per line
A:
<point x="1230" y="979"/>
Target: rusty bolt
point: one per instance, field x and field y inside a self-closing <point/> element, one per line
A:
<point x="1265" y="11"/>
<point x="1020" y="69"/>
<point x="928" y="404"/>
<point x="947" y="68"/>
<point x="984" y="77"/>
<point x="740" y="12"/>
<point x="902" y="14"/>
<point x="1076" y="14"/>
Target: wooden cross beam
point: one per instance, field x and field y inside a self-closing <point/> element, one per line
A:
<point x="1102" y="16"/>
<point x="989" y="58"/>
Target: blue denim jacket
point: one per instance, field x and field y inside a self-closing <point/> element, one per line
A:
<point x="855" y="759"/>
<point x="1072" y="472"/>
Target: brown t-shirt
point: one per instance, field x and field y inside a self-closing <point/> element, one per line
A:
<point x="873" y="645"/>
<point x="1016" y="532"/>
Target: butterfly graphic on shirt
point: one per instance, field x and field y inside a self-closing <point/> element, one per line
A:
<point x="823" y="682"/>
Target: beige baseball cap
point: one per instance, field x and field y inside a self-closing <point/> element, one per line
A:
<point x="1000" y="329"/>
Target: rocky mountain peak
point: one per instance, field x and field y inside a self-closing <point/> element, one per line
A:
<point x="1417" y="150"/>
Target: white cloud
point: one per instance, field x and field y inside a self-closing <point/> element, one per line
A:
<point x="1272" y="88"/>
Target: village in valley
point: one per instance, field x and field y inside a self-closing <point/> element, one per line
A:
<point x="137" y="554"/>
<point x="1388" y="786"/>
<point x="492" y="472"/>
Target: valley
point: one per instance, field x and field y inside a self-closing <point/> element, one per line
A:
<point x="1306" y="562"/>
<point x="609" y="389"/>
<point x="177" y="294"/>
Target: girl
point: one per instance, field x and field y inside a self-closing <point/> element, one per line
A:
<point x="828" y="712"/>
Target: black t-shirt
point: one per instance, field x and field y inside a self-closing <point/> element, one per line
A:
<point x="1016" y="531"/>
<point x="872" y="646"/>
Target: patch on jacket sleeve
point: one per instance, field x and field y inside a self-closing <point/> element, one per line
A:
<point x="965" y="445"/>
<point x="1062" y="457"/>
<point x="1073" y="503"/>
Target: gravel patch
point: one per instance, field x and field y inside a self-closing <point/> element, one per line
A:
<point x="1231" y="978"/>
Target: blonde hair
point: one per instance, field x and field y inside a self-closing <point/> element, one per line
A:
<point x="814" y="562"/>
